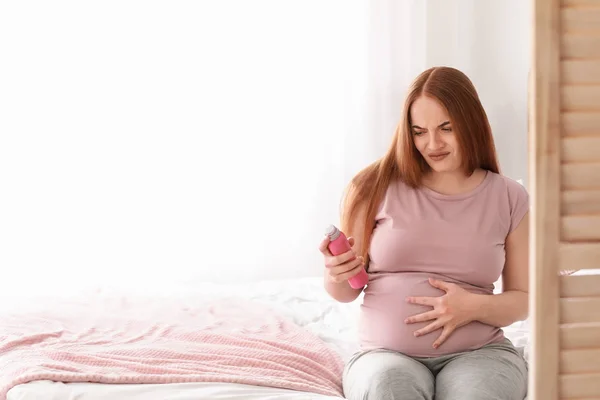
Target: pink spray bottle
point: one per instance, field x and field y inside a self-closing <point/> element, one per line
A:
<point x="339" y="244"/>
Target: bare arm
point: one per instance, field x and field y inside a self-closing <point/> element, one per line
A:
<point x="512" y="304"/>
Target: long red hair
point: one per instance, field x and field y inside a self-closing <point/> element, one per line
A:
<point x="455" y="91"/>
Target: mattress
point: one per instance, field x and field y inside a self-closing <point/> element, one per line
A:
<point x="302" y="300"/>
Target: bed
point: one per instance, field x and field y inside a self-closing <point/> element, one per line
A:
<point x="302" y="301"/>
<point x="564" y="160"/>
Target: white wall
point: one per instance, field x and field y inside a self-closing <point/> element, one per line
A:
<point x="490" y="41"/>
<point x="144" y="141"/>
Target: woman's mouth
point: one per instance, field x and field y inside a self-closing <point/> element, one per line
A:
<point x="438" y="156"/>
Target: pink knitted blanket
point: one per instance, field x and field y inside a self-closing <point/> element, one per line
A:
<point x="164" y="341"/>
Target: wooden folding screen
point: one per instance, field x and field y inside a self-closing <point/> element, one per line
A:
<point x="564" y="160"/>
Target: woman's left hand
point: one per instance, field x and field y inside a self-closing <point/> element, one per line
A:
<point x="452" y="310"/>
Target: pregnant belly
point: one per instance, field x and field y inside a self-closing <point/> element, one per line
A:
<point x="384" y="310"/>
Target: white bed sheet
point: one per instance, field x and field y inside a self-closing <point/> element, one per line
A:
<point x="47" y="390"/>
<point x="302" y="300"/>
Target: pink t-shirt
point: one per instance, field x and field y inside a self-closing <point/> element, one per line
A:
<point x="455" y="238"/>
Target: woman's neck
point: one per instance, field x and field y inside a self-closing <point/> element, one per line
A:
<point x="455" y="182"/>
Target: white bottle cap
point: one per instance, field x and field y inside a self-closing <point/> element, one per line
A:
<point x="332" y="232"/>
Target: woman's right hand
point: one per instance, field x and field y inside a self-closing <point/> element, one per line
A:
<point x="342" y="267"/>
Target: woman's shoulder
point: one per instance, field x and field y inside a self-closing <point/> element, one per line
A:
<point x="516" y="196"/>
<point x="513" y="188"/>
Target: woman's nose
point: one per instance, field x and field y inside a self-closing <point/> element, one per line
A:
<point x="435" y="141"/>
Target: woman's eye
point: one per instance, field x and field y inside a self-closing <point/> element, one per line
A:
<point x="417" y="133"/>
<point x="447" y="129"/>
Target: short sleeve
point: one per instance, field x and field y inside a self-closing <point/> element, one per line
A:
<point x="519" y="203"/>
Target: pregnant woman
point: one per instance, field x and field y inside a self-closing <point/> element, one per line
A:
<point x="435" y="224"/>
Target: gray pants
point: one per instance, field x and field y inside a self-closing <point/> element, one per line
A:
<point x="494" y="372"/>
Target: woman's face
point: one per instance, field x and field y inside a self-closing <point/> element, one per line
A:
<point x="434" y="136"/>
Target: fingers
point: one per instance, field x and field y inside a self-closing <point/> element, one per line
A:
<point x="446" y="327"/>
<point x="445" y="286"/>
<point x="424" y="301"/>
<point x="434" y="326"/>
<point x="345" y="271"/>
<point x="342" y="267"/>
<point x="337" y="261"/>
<point x="445" y="333"/>
<point x="331" y="260"/>
<point x="346" y="275"/>
<point x="323" y="247"/>
<point x="426" y="316"/>
<point x="346" y="266"/>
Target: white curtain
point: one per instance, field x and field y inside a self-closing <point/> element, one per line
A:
<point x="150" y="142"/>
